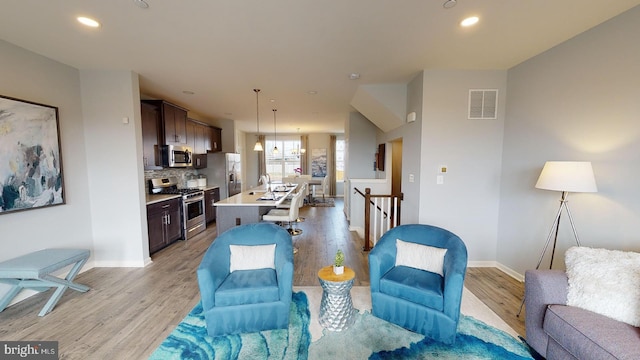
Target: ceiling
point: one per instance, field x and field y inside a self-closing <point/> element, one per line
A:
<point x="222" y="50"/>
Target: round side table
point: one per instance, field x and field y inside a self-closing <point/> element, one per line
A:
<point x="336" y="307"/>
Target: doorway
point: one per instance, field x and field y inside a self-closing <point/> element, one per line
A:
<point x="396" y="166"/>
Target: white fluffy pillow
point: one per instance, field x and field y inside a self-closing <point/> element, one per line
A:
<point x="606" y="282"/>
<point x="252" y="257"/>
<point x="419" y="256"/>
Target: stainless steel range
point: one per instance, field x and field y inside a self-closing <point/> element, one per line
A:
<point x="193" y="218"/>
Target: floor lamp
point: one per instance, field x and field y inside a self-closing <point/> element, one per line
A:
<point x="564" y="176"/>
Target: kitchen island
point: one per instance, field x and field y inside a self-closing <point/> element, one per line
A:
<point x="248" y="206"/>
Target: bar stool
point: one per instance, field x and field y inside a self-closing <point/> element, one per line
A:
<point x="287" y="203"/>
<point x="288" y="216"/>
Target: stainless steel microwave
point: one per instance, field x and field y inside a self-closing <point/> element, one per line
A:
<point x="176" y="156"/>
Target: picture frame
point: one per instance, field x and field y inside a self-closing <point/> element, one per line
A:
<point x="318" y="162"/>
<point x="31" y="175"/>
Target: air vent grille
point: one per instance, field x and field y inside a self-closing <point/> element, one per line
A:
<point x="483" y="104"/>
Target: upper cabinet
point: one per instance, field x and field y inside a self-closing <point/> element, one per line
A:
<point x="150" y="136"/>
<point x="203" y="138"/>
<point x="215" y="139"/>
<point x="175" y="124"/>
<point x="166" y="124"/>
<point x="173" y="120"/>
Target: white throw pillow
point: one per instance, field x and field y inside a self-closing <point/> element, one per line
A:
<point x="252" y="257"/>
<point x="420" y="256"/>
<point x="606" y="282"/>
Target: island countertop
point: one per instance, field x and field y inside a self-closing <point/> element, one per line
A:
<point x="253" y="197"/>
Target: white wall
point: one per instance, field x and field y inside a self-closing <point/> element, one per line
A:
<point x="360" y="140"/>
<point x="467" y="202"/>
<point x="32" y="77"/>
<point x="116" y="178"/>
<point x="411" y="134"/>
<point x="577" y="101"/>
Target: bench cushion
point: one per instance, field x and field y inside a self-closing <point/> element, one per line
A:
<point x="587" y="335"/>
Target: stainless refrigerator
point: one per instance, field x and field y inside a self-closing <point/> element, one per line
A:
<point x="225" y="171"/>
<point x="233" y="173"/>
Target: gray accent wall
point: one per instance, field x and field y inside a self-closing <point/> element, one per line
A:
<point x="577" y="101"/>
<point x="467" y="201"/>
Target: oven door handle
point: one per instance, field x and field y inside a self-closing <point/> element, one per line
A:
<point x="194" y="199"/>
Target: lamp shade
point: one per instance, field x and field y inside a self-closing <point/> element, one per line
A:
<point x="571" y="176"/>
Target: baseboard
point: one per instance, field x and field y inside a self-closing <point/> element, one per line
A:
<point x="357" y="229"/>
<point x="507" y="270"/>
<point x="124" y="264"/>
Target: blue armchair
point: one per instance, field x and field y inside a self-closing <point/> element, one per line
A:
<point x="251" y="300"/>
<point x="419" y="300"/>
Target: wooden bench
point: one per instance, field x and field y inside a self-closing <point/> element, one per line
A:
<point x="33" y="271"/>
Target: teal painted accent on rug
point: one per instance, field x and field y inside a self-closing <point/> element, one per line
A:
<point x="190" y="339"/>
<point x="369" y="338"/>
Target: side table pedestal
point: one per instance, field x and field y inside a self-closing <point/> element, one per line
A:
<point x="336" y="306"/>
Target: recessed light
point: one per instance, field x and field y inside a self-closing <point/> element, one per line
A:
<point x="272" y="100"/>
<point x="354" y="76"/>
<point x="88" y="21"/>
<point x="470" y="21"/>
<point x="449" y="4"/>
<point x="312" y="92"/>
<point x="141" y="3"/>
<point x="188" y="92"/>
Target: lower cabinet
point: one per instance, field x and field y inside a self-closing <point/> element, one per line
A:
<point x="164" y="224"/>
<point x="210" y="197"/>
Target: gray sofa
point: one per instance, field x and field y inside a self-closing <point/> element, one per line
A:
<point x="558" y="331"/>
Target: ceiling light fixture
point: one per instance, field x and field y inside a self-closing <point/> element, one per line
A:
<point x="469" y="21"/>
<point x="275" y="147"/>
<point x="258" y="145"/>
<point x="141" y="4"/>
<point x="449" y="4"/>
<point x="88" y="21"/>
<point x="354" y="76"/>
<point x="312" y="92"/>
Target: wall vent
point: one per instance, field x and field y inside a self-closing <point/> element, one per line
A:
<point x="483" y="104"/>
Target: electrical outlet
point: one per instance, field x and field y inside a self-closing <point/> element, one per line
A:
<point x="411" y="178"/>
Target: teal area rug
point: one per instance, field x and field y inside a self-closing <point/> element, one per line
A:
<point x="368" y="338"/>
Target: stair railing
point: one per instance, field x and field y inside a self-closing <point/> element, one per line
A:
<point x="381" y="213"/>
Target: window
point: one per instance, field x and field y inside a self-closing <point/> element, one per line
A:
<point x="340" y="160"/>
<point x="285" y="161"/>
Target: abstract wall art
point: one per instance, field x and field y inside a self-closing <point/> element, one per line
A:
<point x="319" y="162"/>
<point x="30" y="156"/>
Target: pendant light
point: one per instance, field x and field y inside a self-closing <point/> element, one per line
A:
<point x="275" y="147"/>
<point x="258" y="145"/>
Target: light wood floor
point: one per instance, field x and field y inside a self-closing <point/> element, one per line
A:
<point x="129" y="311"/>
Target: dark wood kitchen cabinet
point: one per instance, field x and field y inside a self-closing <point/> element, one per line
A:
<point x="164" y="224"/>
<point x="211" y="196"/>
<point x="203" y="138"/>
<point x="215" y="139"/>
<point x="173" y="120"/>
<point x="150" y="136"/>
